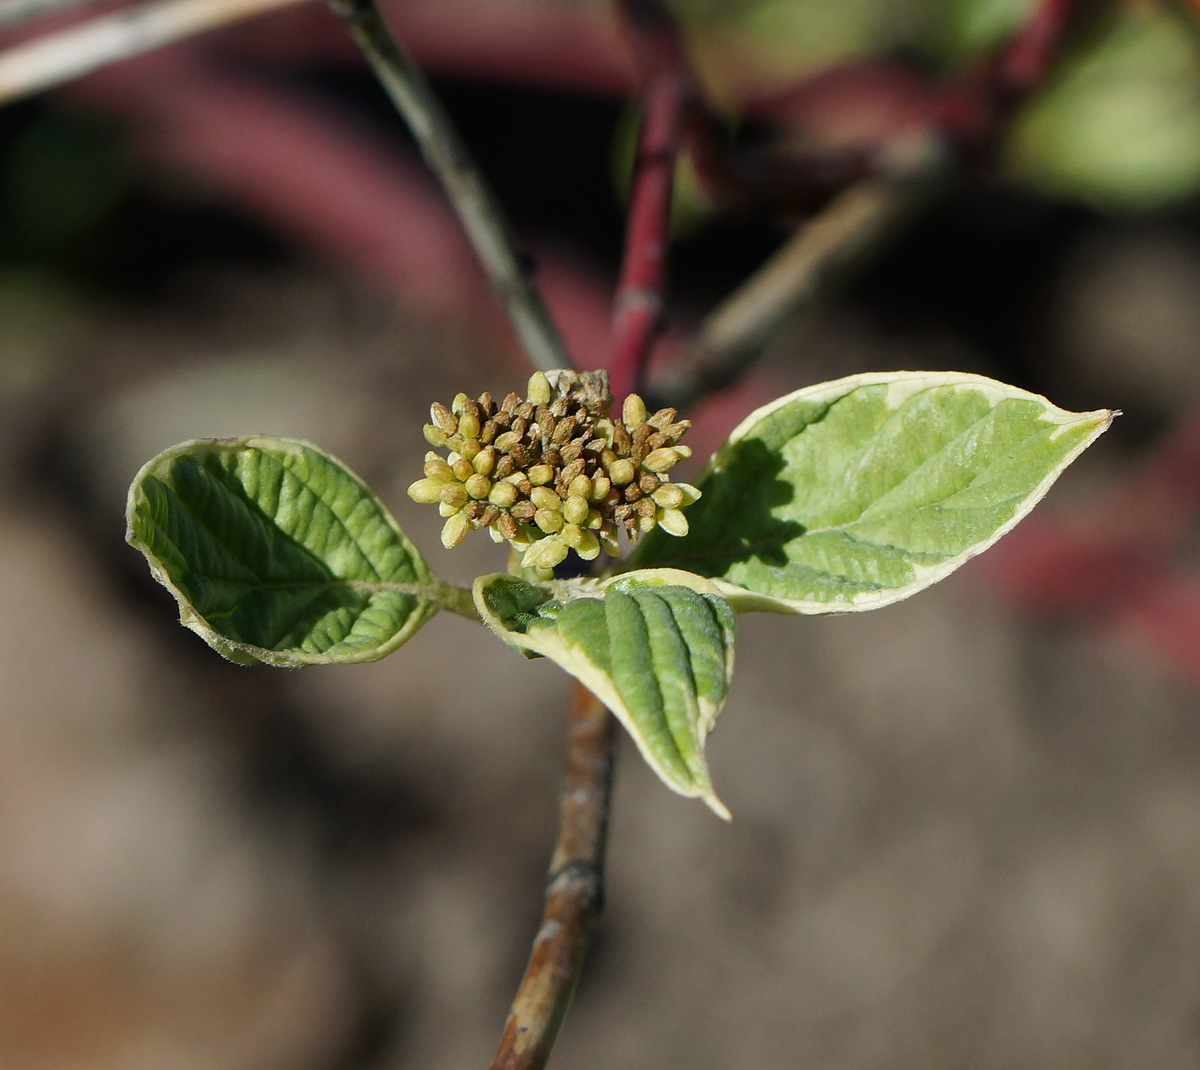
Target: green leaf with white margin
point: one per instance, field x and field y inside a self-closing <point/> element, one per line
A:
<point x="656" y="647"/>
<point x="278" y="553"/>
<point x="854" y="494"/>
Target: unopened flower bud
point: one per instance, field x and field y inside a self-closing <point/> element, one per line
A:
<point x="549" y="520"/>
<point x="538" y="390"/>
<point x="601" y="485"/>
<point x="437" y="469"/>
<point x="545" y="498"/>
<point x="455" y="530"/>
<point x="622" y="471"/>
<point x="470" y="448"/>
<point x="575" y="510"/>
<point x="462" y="469"/>
<point x="456" y="406"/>
<point x="633" y="412"/>
<point x="469" y="425"/>
<point x="668" y="496"/>
<point x="580" y="487"/>
<point x="478" y="486"/>
<point x="454" y="494"/>
<point x="503" y="495"/>
<point x="589" y="546"/>
<point x="662" y="459"/>
<point x="443" y="417"/>
<point x="506" y="441"/>
<point x="484" y="461"/>
<point x="434" y="435"/>
<point x="545" y="554"/>
<point x="426" y="491"/>
<point x="673" y="522"/>
<point x="541" y="474"/>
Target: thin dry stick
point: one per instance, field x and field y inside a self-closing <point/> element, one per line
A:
<point x="14" y="12"/>
<point x="790" y="284"/>
<point x="62" y="56"/>
<point x="637" y="312"/>
<point x="445" y="153"/>
<point x="574" y="891"/>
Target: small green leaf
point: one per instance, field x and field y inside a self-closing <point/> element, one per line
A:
<point x="278" y="553"/>
<point x="855" y="494"/>
<point x="656" y="647"/>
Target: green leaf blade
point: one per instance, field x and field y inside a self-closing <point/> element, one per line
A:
<point x="857" y="493"/>
<point x="277" y="553"/>
<point x="656" y="647"/>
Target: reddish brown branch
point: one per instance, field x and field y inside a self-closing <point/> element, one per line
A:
<point x="574" y="891"/>
<point x="637" y="313"/>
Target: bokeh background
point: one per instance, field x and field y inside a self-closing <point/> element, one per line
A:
<point x="966" y="828"/>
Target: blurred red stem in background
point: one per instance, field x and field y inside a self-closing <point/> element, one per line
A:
<point x="667" y="90"/>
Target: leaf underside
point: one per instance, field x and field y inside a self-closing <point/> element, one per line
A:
<point x="858" y="493"/>
<point x="277" y="553"/>
<point x="655" y="647"/>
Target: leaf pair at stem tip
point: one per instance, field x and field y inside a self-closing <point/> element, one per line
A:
<point x="841" y="497"/>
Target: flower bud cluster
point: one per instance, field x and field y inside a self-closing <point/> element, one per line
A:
<point x="553" y="472"/>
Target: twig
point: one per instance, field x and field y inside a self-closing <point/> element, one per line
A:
<point x="637" y="312"/>
<point x="68" y="54"/>
<point x="574" y="891"/>
<point x="816" y="258"/>
<point x="445" y="153"/>
<point x="14" y="12"/>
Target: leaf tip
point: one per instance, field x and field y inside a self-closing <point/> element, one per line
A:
<point x="716" y="806"/>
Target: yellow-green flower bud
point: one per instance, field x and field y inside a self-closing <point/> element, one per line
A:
<point x="662" y="459"/>
<point x="437" y="469"/>
<point x="580" y="487"/>
<point x="673" y="522"/>
<point x="462" y="469"/>
<point x="469" y="449"/>
<point x="571" y="535"/>
<point x="460" y="400"/>
<point x="549" y="520"/>
<point x="622" y="471"/>
<point x="478" y="486"/>
<point x="541" y="474"/>
<point x="469" y="425"/>
<point x="538" y="390"/>
<point x="633" y="412"/>
<point x="503" y="495"/>
<point x="668" y="496"/>
<point x="484" y="461"/>
<point x="545" y="498"/>
<point x="690" y="494"/>
<point x="545" y="553"/>
<point x="455" y="530"/>
<point x="426" y="491"/>
<point x="601" y="485"/>
<point x="434" y="435"/>
<point x="575" y="510"/>
<point x="589" y="546"/>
